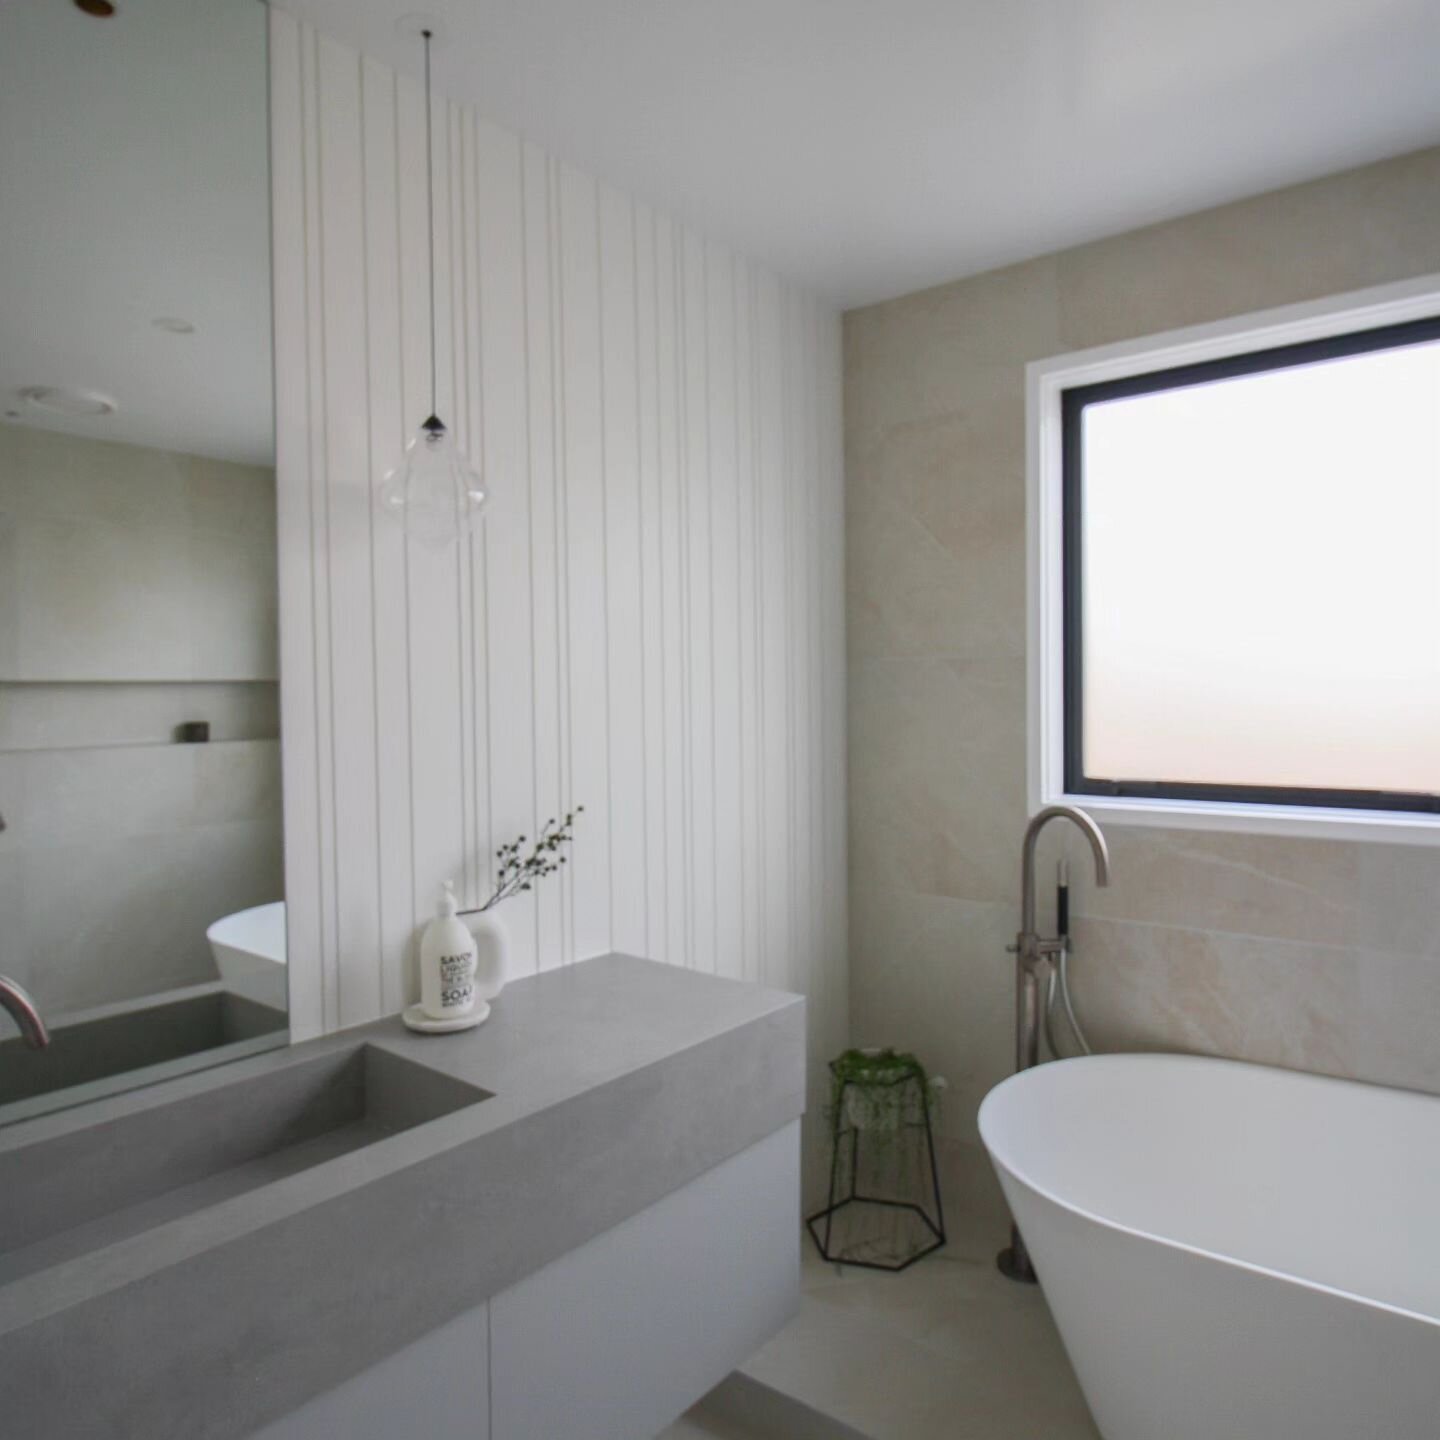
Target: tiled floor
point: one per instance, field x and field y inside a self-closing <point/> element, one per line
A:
<point x="948" y="1350"/>
<point x="700" y="1426"/>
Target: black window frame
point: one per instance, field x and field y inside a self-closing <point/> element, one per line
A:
<point x="1073" y="403"/>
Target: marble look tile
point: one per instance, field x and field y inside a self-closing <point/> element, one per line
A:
<point x="49" y="717"/>
<point x="238" y="780"/>
<point x="1395" y="910"/>
<point x="935" y="542"/>
<point x="1322" y="955"/>
<point x="1335" y="1010"/>
<point x="129" y="563"/>
<point x="948" y="1349"/>
<point x="937" y="775"/>
<point x="9" y="597"/>
<point x="1323" y="891"/>
<point x="14" y="957"/>
<point x="231" y="588"/>
<point x="146" y="906"/>
<point x="1152" y="987"/>
<point x="955" y="472"/>
<point x="1293" y="889"/>
<point x="700" y="1426"/>
<point x="974" y="1203"/>
<point x="78" y="797"/>
<point x="931" y="975"/>
<point x="45" y="475"/>
<point x="1390" y="1034"/>
<point x="237" y="500"/>
<point x="100" y="601"/>
<point x="1364" y="227"/>
<point x="946" y="350"/>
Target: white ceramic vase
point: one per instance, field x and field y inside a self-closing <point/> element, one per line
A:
<point x="492" y="953"/>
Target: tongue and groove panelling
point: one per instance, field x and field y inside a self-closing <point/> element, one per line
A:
<point x="649" y="622"/>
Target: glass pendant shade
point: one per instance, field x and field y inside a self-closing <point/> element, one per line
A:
<point x="434" y="491"/>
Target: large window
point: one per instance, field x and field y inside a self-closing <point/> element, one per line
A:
<point x="1248" y="602"/>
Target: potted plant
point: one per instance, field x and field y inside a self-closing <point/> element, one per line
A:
<point x="872" y="1086"/>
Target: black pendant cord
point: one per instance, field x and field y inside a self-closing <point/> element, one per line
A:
<point x="430" y="220"/>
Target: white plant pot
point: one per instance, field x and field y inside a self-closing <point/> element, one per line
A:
<point x="492" y="953"/>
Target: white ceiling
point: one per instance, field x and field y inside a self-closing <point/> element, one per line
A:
<point x="134" y="183"/>
<point x="864" y="147"/>
<point x="871" y="147"/>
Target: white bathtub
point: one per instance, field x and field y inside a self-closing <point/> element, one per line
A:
<point x="1231" y="1252"/>
<point x="249" y="950"/>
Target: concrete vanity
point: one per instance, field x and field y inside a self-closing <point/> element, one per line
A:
<point x="569" y="1222"/>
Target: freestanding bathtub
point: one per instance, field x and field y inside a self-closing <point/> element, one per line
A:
<point x="1231" y="1252"/>
<point x="250" y="953"/>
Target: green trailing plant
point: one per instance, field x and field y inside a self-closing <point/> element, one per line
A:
<point x="881" y="1090"/>
<point x="520" y="870"/>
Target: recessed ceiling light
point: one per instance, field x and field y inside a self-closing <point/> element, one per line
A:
<point x="100" y="9"/>
<point x="173" y="324"/>
<point x="67" y="400"/>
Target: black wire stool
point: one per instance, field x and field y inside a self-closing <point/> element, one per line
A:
<point x="892" y="1228"/>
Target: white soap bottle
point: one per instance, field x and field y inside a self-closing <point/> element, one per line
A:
<point x="447" y="963"/>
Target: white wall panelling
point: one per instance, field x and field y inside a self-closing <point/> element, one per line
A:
<point x="650" y="621"/>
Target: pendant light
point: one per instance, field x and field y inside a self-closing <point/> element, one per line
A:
<point x="435" y="492"/>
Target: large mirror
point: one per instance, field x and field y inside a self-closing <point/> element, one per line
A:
<point x="141" y="901"/>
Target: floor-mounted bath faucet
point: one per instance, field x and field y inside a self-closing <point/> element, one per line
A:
<point x="1032" y="953"/>
<point x="25" y="1013"/>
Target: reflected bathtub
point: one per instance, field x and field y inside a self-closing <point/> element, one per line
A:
<point x="1231" y="1252"/>
<point x="249" y="950"/>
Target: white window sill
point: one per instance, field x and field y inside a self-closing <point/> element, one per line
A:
<point x="1306" y="822"/>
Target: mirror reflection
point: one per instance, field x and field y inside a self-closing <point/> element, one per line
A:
<point x="141" y="904"/>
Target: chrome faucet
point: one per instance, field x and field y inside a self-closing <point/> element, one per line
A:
<point x="24" y="1012"/>
<point x="1033" y="952"/>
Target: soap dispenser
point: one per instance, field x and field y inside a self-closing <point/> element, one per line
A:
<point x="447" y="964"/>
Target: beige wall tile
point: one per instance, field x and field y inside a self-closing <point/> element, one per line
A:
<point x="110" y="919"/>
<point x="52" y="717"/>
<point x="67" y="477"/>
<point x="1276" y="1002"/>
<point x="121" y="565"/>
<point x="1315" y="954"/>
<point x="124" y="563"/>
<point x="948" y="350"/>
<point x="1253" y="884"/>
<point x="238" y="500"/>
<point x="237" y="781"/>
<point x="936" y="538"/>
<point x="910" y="595"/>
<point x="937" y="774"/>
<point x="951" y="952"/>
<point x="1364" y="227"/>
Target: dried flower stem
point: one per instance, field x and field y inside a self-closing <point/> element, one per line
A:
<point x="518" y="872"/>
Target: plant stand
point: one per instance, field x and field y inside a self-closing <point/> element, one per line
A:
<point x="884" y="1210"/>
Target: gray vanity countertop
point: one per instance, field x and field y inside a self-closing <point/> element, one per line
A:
<point x="613" y="1082"/>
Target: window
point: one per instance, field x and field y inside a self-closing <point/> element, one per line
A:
<point x="1243" y="572"/>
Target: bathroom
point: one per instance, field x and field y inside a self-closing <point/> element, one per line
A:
<point x="760" y="345"/>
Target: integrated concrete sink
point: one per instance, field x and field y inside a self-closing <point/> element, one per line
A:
<point x="133" y="1038"/>
<point x="216" y="1252"/>
<point x="65" y="1196"/>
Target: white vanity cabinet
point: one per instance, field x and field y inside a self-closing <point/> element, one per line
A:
<point x="615" y="1339"/>
<point x="438" y="1388"/>
<point x="608" y="1342"/>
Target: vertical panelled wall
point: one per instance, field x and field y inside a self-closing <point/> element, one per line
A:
<point x="650" y="620"/>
